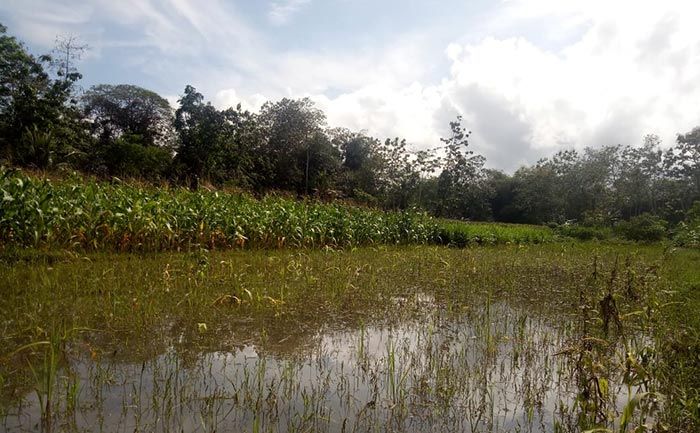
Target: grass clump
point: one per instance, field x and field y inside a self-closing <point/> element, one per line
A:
<point x="584" y="233"/>
<point x="687" y="232"/>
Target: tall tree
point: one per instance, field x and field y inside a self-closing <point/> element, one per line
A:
<point x="200" y="128"/>
<point x="292" y="127"/>
<point x="637" y="187"/>
<point x="243" y="150"/>
<point x="39" y="124"/>
<point x="133" y="128"/>
<point x="125" y="109"/>
<point x="685" y="164"/>
<point x="503" y="198"/>
<point x="397" y="173"/>
<point x="537" y="196"/>
<point x="459" y="181"/>
<point x="68" y="50"/>
<point x="360" y="176"/>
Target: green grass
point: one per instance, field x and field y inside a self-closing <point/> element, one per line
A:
<point x="461" y="234"/>
<point x="679" y="337"/>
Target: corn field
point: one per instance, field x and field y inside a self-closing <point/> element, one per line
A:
<point x="82" y="214"/>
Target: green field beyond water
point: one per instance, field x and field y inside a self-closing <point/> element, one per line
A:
<point x="81" y="215"/>
<point x="552" y="337"/>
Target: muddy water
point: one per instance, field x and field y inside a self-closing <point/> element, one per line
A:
<point x="485" y="367"/>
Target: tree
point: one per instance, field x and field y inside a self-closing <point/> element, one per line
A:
<point x="503" y="198"/>
<point x="356" y="148"/>
<point x="292" y="126"/>
<point x="22" y="78"/>
<point x="685" y="164"/>
<point x="361" y="164"/>
<point x="598" y="169"/>
<point x="537" y="197"/>
<point x="397" y="174"/>
<point x="200" y="128"/>
<point x="39" y="125"/>
<point x="133" y="129"/>
<point x="426" y="163"/>
<point x="67" y="51"/>
<point x="459" y="181"/>
<point x="638" y="186"/>
<point x="125" y="109"/>
<point x="127" y="156"/>
<point x="322" y="164"/>
<point x="243" y="160"/>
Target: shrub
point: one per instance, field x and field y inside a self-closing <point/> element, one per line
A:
<point x="584" y="233"/>
<point x="127" y="157"/>
<point x="687" y="232"/>
<point x="645" y="227"/>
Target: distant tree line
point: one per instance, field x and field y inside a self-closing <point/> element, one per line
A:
<point x="47" y="122"/>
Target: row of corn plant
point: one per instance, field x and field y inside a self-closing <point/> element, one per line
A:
<point x="89" y="215"/>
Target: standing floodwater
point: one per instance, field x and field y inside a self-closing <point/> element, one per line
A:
<point x="458" y="344"/>
<point x="492" y="369"/>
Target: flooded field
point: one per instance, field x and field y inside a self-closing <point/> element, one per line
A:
<point x="549" y="338"/>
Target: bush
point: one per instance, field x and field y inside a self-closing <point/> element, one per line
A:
<point x="645" y="227"/>
<point x="584" y="233"/>
<point x="687" y="232"/>
<point x="127" y="157"/>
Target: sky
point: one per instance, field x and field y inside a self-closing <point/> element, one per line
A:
<point x="529" y="77"/>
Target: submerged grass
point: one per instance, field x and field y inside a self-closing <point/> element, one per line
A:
<point x="615" y="327"/>
<point x="83" y="215"/>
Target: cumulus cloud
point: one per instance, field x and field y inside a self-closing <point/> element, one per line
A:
<point x="388" y="112"/>
<point x="625" y="75"/>
<point x="229" y="98"/>
<point x="535" y="77"/>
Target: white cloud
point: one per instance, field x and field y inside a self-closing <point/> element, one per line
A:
<point x="388" y="112"/>
<point x="42" y="21"/>
<point x="613" y="85"/>
<point x="229" y="98"/>
<point x="281" y="12"/>
<point x="622" y="76"/>
<point x="625" y="75"/>
<point x="540" y="75"/>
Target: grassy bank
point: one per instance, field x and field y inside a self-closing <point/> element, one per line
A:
<point x="85" y="215"/>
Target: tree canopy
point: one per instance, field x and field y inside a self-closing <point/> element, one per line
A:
<point x="126" y="130"/>
<point x="124" y="109"/>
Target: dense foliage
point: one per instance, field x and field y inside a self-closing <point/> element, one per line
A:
<point x="127" y="131"/>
